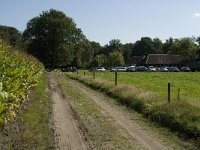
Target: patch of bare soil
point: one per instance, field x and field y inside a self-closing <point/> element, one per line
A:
<point x="67" y="134"/>
<point x="133" y="129"/>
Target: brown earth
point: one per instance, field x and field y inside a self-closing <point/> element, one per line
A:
<point x="67" y="134"/>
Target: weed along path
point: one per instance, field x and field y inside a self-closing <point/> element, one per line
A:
<point x="131" y="128"/>
<point x="67" y="134"/>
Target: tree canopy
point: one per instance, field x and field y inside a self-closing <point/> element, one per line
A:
<point x="116" y="59"/>
<point x="52" y="38"/>
<point x="10" y="35"/>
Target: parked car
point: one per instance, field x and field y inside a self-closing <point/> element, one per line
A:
<point x="185" y="69"/>
<point x="119" y="69"/>
<point x="68" y="69"/>
<point x="173" y="69"/>
<point x="131" y="69"/>
<point x="140" y="68"/>
<point x="100" y="69"/>
<point x="93" y="69"/>
<point x="151" y="69"/>
<point x="164" y="69"/>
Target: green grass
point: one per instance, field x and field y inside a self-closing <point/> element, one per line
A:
<point x="189" y="83"/>
<point x="31" y="128"/>
<point x="146" y="93"/>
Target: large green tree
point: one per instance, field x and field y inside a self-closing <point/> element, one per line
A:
<point x="127" y="50"/>
<point x="114" y="45"/>
<point x="185" y="47"/>
<point x="10" y="35"/>
<point x="100" y="60"/>
<point x="167" y="46"/>
<point x="116" y="59"/>
<point x="96" y="47"/>
<point x="144" y="46"/>
<point x="52" y="38"/>
<point x="84" y="54"/>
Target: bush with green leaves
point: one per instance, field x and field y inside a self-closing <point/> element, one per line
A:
<point x="19" y="73"/>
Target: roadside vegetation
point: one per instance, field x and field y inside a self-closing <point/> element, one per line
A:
<point x="181" y="116"/>
<point x="18" y="74"/>
<point x="32" y="128"/>
<point x="24" y="102"/>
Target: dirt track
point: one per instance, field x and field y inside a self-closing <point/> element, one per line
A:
<point x="67" y="134"/>
<point x="132" y="128"/>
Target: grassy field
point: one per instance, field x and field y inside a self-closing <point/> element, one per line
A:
<point x="147" y="93"/>
<point x="189" y="83"/>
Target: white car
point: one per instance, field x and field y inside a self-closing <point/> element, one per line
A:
<point x="164" y="69"/>
<point x="100" y="69"/>
<point x="151" y="69"/>
<point x="119" y="69"/>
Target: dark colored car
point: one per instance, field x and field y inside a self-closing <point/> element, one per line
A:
<point x="68" y="69"/>
<point x="140" y="68"/>
<point x="173" y="69"/>
<point x="185" y="69"/>
<point x="131" y="69"/>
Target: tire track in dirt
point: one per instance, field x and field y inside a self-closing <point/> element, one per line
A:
<point x="132" y="128"/>
<point x="67" y="135"/>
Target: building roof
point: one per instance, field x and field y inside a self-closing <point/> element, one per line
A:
<point x="165" y="59"/>
<point x="135" y="59"/>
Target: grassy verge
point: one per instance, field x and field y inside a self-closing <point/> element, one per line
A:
<point x="31" y="129"/>
<point x="178" y="116"/>
<point x="101" y="132"/>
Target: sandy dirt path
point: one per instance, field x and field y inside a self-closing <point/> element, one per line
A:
<point x="67" y="134"/>
<point x="132" y="128"/>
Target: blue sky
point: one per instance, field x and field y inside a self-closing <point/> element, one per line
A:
<point x="103" y="20"/>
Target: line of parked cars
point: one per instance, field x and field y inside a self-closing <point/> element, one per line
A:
<point x="143" y="69"/>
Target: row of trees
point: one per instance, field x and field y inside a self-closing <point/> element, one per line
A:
<point x="55" y="40"/>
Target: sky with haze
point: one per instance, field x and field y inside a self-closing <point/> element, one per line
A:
<point x="103" y="20"/>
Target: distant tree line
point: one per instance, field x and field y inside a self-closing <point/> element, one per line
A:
<point x="55" y="40"/>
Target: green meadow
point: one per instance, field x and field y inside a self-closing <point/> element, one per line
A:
<point x="157" y="82"/>
<point x="147" y="93"/>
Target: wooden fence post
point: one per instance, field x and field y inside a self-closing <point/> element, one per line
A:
<point x="178" y="95"/>
<point x="169" y="92"/>
<point x="93" y="74"/>
<point x="116" y="78"/>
